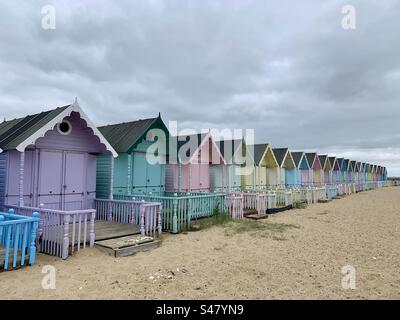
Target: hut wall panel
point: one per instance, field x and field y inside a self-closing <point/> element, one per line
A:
<point x="272" y="176"/>
<point x="103" y="176"/>
<point x="3" y="177"/>
<point x="80" y="139"/>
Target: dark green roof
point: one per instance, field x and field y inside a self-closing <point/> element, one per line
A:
<point x="259" y="150"/>
<point x="310" y="158"/>
<point x="14" y="132"/>
<point x="229" y="147"/>
<point x="297" y="155"/>
<point x="322" y="160"/>
<point x="124" y="136"/>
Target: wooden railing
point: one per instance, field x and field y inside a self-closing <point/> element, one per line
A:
<point x="234" y="206"/>
<point x="60" y="233"/>
<point x="318" y="194"/>
<point x="146" y="215"/>
<point x="178" y="211"/>
<point x="17" y="237"/>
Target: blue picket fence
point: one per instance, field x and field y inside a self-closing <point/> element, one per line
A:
<point x="17" y="239"/>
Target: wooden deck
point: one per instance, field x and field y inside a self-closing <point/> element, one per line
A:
<point x="104" y="230"/>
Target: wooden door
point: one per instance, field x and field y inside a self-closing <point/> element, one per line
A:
<point x="50" y="179"/>
<point x="139" y="173"/>
<point x="74" y="181"/>
<point x="204" y="177"/>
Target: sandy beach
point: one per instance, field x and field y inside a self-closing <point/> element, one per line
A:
<point x="298" y="254"/>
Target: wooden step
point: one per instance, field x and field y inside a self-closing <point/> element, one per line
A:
<point x="257" y="216"/>
<point x="324" y="200"/>
<point x="247" y="212"/>
<point x="127" y="246"/>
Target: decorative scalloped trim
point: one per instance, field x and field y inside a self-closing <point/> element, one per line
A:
<point x="51" y="125"/>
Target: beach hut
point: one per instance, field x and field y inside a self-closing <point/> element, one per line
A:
<point x="227" y="177"/>
<point x="340" y="174"/>
<point x="138" y="169"/>
<point x="316" y="176"/>
<point x="326" y="168"/>
<point x="302" y="168"/>
<point x="191" y="170"/>
<point x="335" y="172"/>
<point x="286" y="172"/>
<point x="353" y="171"/>
<point x="50" y="158"/>
<point x="263" y="169"/>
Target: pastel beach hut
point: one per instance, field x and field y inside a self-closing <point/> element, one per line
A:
<point x="346" y="170"/>
<point x="227" y="177"/>
<point x="326" y="168"/>
<point x="335" y="172"/>
<point x="262" y="171"/>
<point x="341" y="174"/>
<point x="302" y="168"/>
<point x="139" y="169"/>
<point x="189" y="169"/>
<point x="353" y="171"/>
<point x="286" y="172"/>
<point x="49" y="159"/>
<point x="316" y="175"/>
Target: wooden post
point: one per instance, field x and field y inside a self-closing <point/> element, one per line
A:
<point x="180" y="175"/>
<point x="142" y="227"/>
<point x="92" y="234"/>
<point x="189" y="213"/>
<point x="159" y="225"/>
<point x="111" y="189"/>
<point x="32" y="247"/>
<point x="21" y="178"/>
<point x="65" y="247"/>
<point x="175" y="214"/>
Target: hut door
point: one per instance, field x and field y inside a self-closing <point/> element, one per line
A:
<point x="50" y="179"/>
<point x="139" y="172"/>
<point x="204" y="178"/>
<point x="153" y="182"/>
<point x="74" y="181"/>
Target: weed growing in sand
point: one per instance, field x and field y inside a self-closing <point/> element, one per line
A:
<point x="218" y="218"/>
<point x="300" y="205"/>
<point x="259" y="228"/>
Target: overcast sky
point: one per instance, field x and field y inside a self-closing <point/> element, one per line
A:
<point x="285" y="68"/>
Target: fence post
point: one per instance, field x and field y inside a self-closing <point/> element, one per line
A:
<point x="1" y="227"/>
<point x="159" y="226"/>
<point x="32" y="247"/>
<point x="11" y="211"/>
<point x="175" y="214"/>
<point x="65" y="247"/>
<point x="92" y="235"/>
<point x="189" y="209"/>
<point x="142" y="228"/>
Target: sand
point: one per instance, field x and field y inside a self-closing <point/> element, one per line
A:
<point x="302" y="262"/>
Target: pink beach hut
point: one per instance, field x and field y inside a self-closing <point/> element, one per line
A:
<point x="189" y="171"/>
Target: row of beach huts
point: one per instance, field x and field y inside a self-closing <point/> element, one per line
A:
<point x="62" y="180"/>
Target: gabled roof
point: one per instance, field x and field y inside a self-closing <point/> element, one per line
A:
<point x="323" y="159"/>
<point x="259" y="151"/>
<point x="197" y="141"/>
<point x="312" y="157"/>
<point x="125" y="136"/>
<point x="20" y="133"/>
<point x="353" y="165"/>
<point x="358" y="166"/>
<point x="334" y="163"/>
<point x="281" y="155"/>
<point x="229" y="149"/>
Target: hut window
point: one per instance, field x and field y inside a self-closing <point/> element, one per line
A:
<point x="64" y="127"/>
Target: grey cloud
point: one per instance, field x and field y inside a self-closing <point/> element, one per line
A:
<point x="286" y="69"/>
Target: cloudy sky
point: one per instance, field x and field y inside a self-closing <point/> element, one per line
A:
<point x="284" y="68"/>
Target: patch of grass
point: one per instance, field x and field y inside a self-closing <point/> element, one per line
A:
<point x="259" y="228"/>
<point x="300" y="205"/>
<point x="218" y="218"/>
